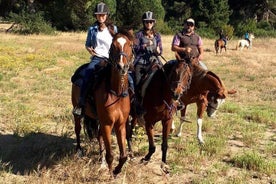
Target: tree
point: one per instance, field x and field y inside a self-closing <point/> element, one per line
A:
<point x="129" y="12"/>
<point x="213" y="13"/>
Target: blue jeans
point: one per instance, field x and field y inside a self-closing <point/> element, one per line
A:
<point x="89" y="71"/>
<point x="131" y="82"/>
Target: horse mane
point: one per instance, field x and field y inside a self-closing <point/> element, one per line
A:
<point x="128" y="32"/>
<point x="167" y="68"/>
<point x="198" y="71"/>
<point x="215" y="76"/>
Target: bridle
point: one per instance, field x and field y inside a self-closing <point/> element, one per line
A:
<point x="121" y="68"/>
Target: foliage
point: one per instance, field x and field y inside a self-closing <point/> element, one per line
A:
<point x="247" y="26"/>
<point x="134" y="9"/>
<point x="31" y="23"/>
<point x="210" y="15"/>
<point x="214" y="13"/>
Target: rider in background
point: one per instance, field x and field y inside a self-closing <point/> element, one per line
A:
<point x="223" y="37"/>
<point x="98" y="41"/>
<point x="147" y="48"/>
<point x="187" y="44"/>
<point x="246" y="37"/>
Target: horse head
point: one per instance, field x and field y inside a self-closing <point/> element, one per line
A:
<point x="251" y="36"/>
<point x="120" y="59"/>
<point x="120" y="54"/>
<point x="180" y="79"/>
<point x="216" y="98"/>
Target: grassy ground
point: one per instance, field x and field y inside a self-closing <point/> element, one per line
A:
<point x="37" y="140"/>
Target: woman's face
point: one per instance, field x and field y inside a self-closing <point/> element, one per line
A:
<point x="101" y="17"/>
<point x="149" y="24"/>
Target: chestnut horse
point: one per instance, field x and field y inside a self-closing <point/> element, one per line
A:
<point x="208" y="92"/>
<point x="111" y="99"/>
<point x="160" y="102"/>
<point x="219" y="45"/>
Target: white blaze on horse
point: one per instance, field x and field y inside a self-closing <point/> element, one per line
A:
<point x="245" y="43"/>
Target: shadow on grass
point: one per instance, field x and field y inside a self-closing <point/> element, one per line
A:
<point x="37" y="150"/>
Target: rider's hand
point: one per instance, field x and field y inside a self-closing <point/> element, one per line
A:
<point x="91" y="51"/>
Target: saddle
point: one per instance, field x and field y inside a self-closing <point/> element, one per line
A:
<point x="95" y="79"/>
<point x="146" y="77"/>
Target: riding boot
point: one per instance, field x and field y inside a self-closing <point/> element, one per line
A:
<point x="86" y="85"/>
<point x="140" y="111"/>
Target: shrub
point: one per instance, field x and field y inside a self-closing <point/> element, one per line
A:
<point x="31" y="23"/>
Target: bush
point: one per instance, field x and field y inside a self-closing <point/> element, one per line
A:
<point x="163" y="28"/>
<point x="30" y="23"/>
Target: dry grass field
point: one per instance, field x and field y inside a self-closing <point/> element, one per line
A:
<point x="37" y="140"/>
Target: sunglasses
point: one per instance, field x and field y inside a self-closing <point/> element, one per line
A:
<point x="149" y="21"/>
<point x="190" y="24"/>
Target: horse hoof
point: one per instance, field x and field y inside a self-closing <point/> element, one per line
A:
<point x="79" y="153"/>
<point x="165" y="168"/>
<point x="144" y="161"/>
<point x="116" y="172"/>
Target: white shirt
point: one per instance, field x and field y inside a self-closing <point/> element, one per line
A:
<point x="104" y="40"/>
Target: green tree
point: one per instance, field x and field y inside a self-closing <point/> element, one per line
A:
<point x="129" y="12"/>
<point x="213" y="13"/>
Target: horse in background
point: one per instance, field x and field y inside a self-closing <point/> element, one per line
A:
<point x="245" y="43"/>
<point x="219" y="45"/>
<point x="208" y="92"/>
<point x="111" y="99"/>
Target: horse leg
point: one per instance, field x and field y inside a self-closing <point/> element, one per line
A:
<point x="101" y="145"/>
<point x="182" y="119"/>
<point x="121" y="139"/>
<point x="106" y="134"/>
<point x="129" y="132"/>
<point x="152" y="147"/>
<point x="201" y="107"/>
<point x="164" y="147"/>
<point x="165" y="133"/>
<point x="77" y="132"/>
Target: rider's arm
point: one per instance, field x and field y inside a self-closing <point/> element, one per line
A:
<point x="200" y="49"/>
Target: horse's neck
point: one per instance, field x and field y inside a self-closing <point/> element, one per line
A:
<point x="209" y="82"/>
<point x="118" y="83"/>
<point x="159" y="87"/>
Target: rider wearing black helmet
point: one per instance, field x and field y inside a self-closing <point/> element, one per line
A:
<point x="147" y="48"/>
<point x="98" y="41"/>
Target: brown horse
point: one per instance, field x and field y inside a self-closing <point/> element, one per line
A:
<point x="111" y="99"/>
<point x="219" y="45"/>
<point x="160" y="100"/>
<point x="208" y="92"/>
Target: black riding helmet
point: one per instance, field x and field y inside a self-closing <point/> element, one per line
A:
<point x="101" y="8"/>
<point x="148" y="16"/>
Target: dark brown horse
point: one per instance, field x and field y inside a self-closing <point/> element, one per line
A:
<point x="160" y="100"/>
<point x="219" y="45"/>
<point x="208" y="92"/>
<point x="111" y="99"/>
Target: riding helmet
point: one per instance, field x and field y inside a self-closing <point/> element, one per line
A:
<point x="190" y="20"/>
<point x="148" y="16"/>
<point x="101" y="8"/>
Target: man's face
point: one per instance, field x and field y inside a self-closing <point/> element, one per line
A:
<point x="189" y="27"/>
